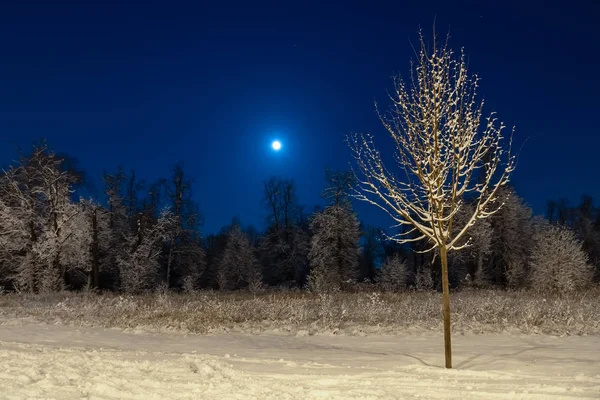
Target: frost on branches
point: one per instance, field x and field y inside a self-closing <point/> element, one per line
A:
<point x="239" y="266"/>
<point x="392" y="277"/>
<point x="446" y="150"/>
<point x="334" y="253"/>
<point x="39" y="222"/>
<point x="558" y="262"/>
<point x="511" y="243"/>
<point x="138" y="262"/>
<point x="468" y="263"/>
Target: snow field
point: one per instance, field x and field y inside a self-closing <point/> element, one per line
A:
<point x="60" y="362"/>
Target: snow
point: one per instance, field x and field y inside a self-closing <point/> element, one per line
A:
<point x="62" y="362"/>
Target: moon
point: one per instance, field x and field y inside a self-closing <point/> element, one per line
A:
<point x="276" y="145"/>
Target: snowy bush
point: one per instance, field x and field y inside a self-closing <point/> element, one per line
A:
<point x="392" y="277"/>
<point x="189" y="284"/>
<point x="319" y="282"/>
<point x="423" y="280"/>
<point x="558" y="262"/>
<point x="516" y="274"/>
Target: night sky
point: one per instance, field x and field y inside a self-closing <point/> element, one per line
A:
<point x="146" y="84"/>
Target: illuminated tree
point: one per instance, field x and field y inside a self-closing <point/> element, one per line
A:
<point x="41" y="220"/>
<point x="139" y="261"/>
<point x="334" y="248"/>
<point x="446" y="149"/>
<point x="558" y="262"/>
<point x="335" y="252"/>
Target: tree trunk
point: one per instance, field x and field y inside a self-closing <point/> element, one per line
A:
<point x="33" y="278"/>
<point x="95" y="251"/>
<point x="478" y="278"/>
<point x="170" y="262"/>
<point x="446" y="306"/>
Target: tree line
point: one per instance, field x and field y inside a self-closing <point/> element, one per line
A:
<point x="138" y="236"/>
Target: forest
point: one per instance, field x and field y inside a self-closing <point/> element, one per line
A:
<point x="138" y="237"/>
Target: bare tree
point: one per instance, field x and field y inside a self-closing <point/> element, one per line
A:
<point x="118" y="212"/>
<point x="339" y="185"/>
<point x="283" y="247"/>
<point x="373" y="250"/>
<point x="185" y="255"/>
<point x="446" y="152"/>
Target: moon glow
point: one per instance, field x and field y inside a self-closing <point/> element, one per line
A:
<point x="276" y="145"/>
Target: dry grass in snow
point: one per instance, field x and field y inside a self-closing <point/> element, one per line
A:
<point x="473" y="311"/>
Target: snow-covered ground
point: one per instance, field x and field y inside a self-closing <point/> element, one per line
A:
<point x="61" y="362"/>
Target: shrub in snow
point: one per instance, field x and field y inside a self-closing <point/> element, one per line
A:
<point x="189" y="284"/>
<point x="392" y="277"/>
<point x="423" y="280"/>
<point x="558" y="262"/>
<point x="318" y="281"/>
<point x="516" y="274"/>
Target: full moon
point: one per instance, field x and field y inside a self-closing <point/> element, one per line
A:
<point x="276" y="145"/>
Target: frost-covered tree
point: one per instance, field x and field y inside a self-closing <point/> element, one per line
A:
<point x="335" y="250"/>
<point x="89" y="243"/>
<point x="239" y="266"/>
<point x="18" y="228"/>
<point x="584" y="220"/>
<point x="38" y="191"/>
<point x="586" y="223"/>
<point x="471" y="259"/>
<point x="511" y="240"/>
<point x="445" y="148"/>
<point x="558" y="262"/>
<point x="185" y="257"/>
<point x="120" y="223"/>
<point x="76" y="251"/>
<point x="392" y="277"/>
<point x="139" y="259"/>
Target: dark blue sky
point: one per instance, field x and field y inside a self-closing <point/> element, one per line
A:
<point x="146" y="84"/>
